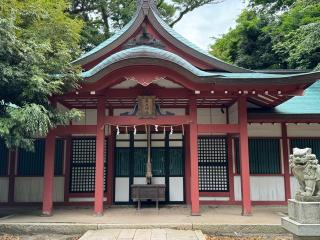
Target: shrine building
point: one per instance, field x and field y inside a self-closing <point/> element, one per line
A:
<point x="212" y="132"/>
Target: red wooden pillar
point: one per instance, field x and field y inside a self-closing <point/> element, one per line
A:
<point x="67" y="164"/>
<point x="285" y="152"/>
<point x="193" y="144"/>
<point x="244" y="156"/>
<point x="99" y="189"/>
<point x="110" y="176"/>
<point x="187" y="166"/>
<point x="48" y="174"/>
<point x="230" y="161"/>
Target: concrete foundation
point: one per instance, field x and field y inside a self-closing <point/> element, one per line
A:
<point x="304" y="212"/>
<point x="303" y="220"/>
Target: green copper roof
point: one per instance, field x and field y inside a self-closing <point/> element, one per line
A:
<point x="176" y="35"/>
<point x="109" y="40"/>
<point x="148" y="52"/>
<point x="307" y="104"/>
<point x="151" y="52"/>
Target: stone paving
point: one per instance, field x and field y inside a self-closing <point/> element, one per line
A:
<point x="215" y="220"/>
<point x="142" y="234"/>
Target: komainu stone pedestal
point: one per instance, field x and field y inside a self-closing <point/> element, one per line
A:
<point x="303" y="220"/>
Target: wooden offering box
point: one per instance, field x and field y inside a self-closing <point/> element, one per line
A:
<point x="144" y="192"/>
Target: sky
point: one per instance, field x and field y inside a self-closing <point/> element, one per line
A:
<point x="205" y="23"/>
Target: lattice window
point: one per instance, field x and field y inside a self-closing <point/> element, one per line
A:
<point x="83" y="167"/>
<point x="213" y="164"/>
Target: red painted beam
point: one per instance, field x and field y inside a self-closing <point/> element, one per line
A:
<point x="161" y="120"/>
<point x="255" y="118"/>
<point x="75" y="129"/>
<point x="218" y="128"/>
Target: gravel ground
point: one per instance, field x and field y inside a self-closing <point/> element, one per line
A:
<point x="265" y="237"/>
<point x="39" y="237"/>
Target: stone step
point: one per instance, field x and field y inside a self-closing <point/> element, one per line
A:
<point x="142" y="234"/>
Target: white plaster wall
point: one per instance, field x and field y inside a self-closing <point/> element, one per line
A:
<point x="84" y="199"/>
<point x="303" y="130"/>
<point x="90" y="117"/>
<point x="233" y="114"/>
<point x="294" y="186"/>
<point x="4" y="189"/>
<point x="29" y="189"/>
<point x="214" y="198"/>
<point x="217" y="117"/>
<point x="263" y="188"/>
<point x="264" y="130"/>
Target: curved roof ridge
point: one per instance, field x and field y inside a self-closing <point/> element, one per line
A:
<point x="152" y="52"/>
<point x="147" y="8"/>
<point x="114" y="37"/>
<point x="146" y="51"/>
<point x="191" y="45"/>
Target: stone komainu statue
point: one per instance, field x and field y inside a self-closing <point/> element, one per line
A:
<point x="306" y="169"/>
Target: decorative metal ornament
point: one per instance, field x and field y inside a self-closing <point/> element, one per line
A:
<point x="144" y="38"/>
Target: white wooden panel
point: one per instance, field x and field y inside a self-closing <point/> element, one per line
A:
<point x="84" y="199"/>
<point x="294" y="186"/>
<point x="214" y="199"/>
<point x="233" y="114"/>
<point x="122" y="144"/>
<point x="139" y="180"/>
<point x="29" y="189"/>
<point x="140" y="144"/>
<point x="303" y="130"/>
<point x="175" y="144"/>
<point x="237" y="188"/>
<point x="263" y="188"/>
<point x="158" y="180"/>
<point x="176" y="189"/>
<point x="175" y="136"/>
<point x="217" y="116"/>
<point x="264" y="130"/>
<point x="122" y="189"/>
<point x="157" y="144"/>
<point x="123" y="136"/>
<point x="58" y="189"/>
<point x="4" y="189"/>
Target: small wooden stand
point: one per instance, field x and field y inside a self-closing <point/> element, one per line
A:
<point x="144" y="192"/>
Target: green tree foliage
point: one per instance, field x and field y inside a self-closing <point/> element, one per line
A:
<point x="103" y="17"/>
<point x="270" y="37"/>
<point x="37" y="42"/>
